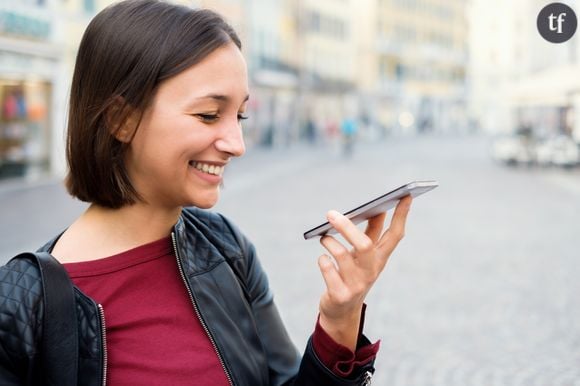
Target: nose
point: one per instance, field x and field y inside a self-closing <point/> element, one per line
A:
<point x="231" y="140"/>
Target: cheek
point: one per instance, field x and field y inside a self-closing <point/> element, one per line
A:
<point x="149" y="155"/>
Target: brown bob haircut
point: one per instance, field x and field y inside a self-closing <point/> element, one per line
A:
<point x="127" y="50"/>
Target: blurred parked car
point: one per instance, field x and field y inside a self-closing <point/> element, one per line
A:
<point x="559" y="151"/>
<point x="513" y="150"/>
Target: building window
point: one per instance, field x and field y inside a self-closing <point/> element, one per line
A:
<point x="328" y="26"/>
<point x="314" y="24"/>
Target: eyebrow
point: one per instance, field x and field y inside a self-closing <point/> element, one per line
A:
<point x="220" y="97"/>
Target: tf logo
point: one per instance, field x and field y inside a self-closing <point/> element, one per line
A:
<point x="557" y="22"/>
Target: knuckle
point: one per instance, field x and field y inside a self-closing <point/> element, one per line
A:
<point x="325" y="263"/>
<point x="366" y="245"/>
<point x="342" y="254"/>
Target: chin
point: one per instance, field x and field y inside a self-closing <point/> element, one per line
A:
<point x="204" y="202"/>
<point x="203" y="205"/>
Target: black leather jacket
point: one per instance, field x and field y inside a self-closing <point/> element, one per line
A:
<point x="229" y="293"/>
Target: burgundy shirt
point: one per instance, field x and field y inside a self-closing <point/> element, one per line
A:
<point x="153" y="334"/>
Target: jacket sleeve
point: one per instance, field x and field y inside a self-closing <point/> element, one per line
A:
<point x="286" y="368"/>
<point x="20" y="313"/>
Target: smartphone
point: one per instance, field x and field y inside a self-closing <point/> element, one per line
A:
<point x="378" y="205"/>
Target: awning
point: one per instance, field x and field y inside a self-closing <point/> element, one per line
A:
<point x="551" y="87"/>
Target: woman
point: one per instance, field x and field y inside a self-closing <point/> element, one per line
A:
<point x="167" y="295"/>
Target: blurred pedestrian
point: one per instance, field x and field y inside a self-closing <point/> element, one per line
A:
<point x="310" y="131"/>
<point x="167" y="293"/>
<point x="348" y="129"/>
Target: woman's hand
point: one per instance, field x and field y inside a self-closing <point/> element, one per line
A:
<point x="356" y="270"/>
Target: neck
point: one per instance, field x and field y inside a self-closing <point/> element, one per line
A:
<point x="134" y="224"/>
<point x="100" y="232"/>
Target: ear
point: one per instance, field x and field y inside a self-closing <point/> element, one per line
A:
<point x="122" y="120"/>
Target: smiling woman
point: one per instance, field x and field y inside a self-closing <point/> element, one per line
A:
<point x="167" y="293"/>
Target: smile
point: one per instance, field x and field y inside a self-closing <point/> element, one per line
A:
<point x="206" y="168"/>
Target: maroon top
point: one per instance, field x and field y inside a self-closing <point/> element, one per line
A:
<point x="153" y="334"/>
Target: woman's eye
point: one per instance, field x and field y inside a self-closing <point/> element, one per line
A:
<point x="208" y="117"/>
<point x="242" y="117"/>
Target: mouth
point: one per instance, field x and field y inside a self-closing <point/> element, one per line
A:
<point x="214" y="170"/>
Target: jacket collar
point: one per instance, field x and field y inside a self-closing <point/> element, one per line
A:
<point x="201" y="239"/>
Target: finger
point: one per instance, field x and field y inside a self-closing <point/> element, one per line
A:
<point x="334" y="283"/>
<point x="375" y="226"/>
<point x="360" y="241"/>
<point x="396" y="230"/>
<point x="341" y="254"/>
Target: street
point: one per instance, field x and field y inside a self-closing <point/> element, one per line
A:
<point x="483" y="289"/>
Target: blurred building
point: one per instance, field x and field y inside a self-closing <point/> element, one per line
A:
<point x="302" y="61"/>
<point x="271" y="50"/>
<point x="494" y="59"/>
<point x="413" y="60"/>
<point x="519" y="80"/>
<point x="327" y="66"/>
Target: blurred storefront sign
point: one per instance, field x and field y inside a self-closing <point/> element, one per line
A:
<point x="25" y="26"/>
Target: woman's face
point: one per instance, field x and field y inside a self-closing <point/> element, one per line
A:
<point x="190" y="132"/>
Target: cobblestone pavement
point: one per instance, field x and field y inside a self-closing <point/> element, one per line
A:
<point x="483" y="290"/>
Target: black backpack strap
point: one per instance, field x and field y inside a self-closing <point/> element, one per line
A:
<point x="60" y="330"/>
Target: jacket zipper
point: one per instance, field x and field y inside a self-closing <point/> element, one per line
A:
<point x="368" y="379"/>
<point x="197" y="313"/>
<point x="104" y="337"/>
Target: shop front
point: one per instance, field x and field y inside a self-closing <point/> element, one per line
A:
<point x="24" y="128"/>
<point x="30" y="78"/>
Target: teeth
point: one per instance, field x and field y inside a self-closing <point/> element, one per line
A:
<point x="209" y="169"/>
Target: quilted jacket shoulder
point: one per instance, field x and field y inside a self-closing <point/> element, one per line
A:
<point x="232" y="245"/>
<point x="21" y="308"/>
